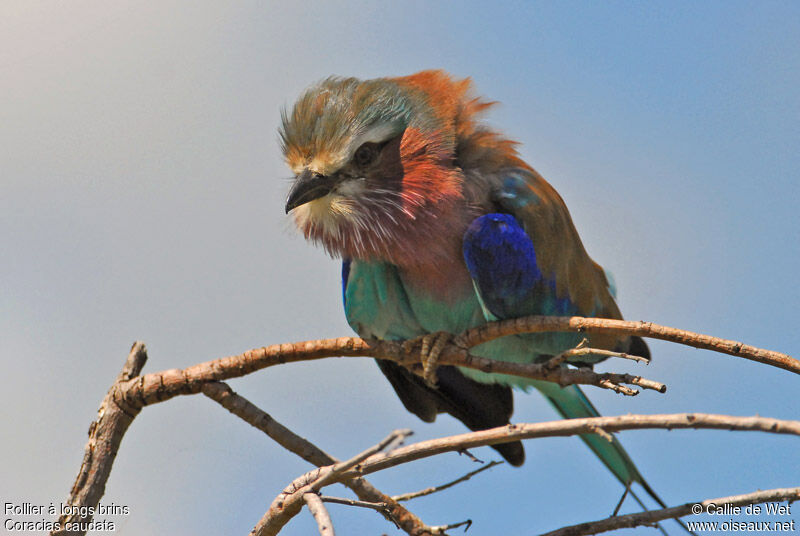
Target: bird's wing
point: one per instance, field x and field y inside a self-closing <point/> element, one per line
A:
<point x="528" y="260"/>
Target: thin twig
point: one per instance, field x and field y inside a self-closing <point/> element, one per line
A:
<point x="434" y="489"/>
<point x="378" y="506"/>
<point x="621" y="499"/>
<point x="648" y="384"/>
<point x="621" y="389"/>
<point x="581" y="352"/>
<point x="343" y="467"/>
<point x="320" y="513"/>
<point x="468" y="454"/>
<point x="441" y="529"/>
<point x="653" y="516"/>
<point x="602" y="433"/>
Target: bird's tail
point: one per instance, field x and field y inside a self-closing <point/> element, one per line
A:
<point x="571" y="403"/>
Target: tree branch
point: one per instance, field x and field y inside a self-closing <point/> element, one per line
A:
<point x="105" y="436"/>
<point x="130" y="392"/>
<point x="288" y="503"/>
<point x="364" y="490"/>
<point x="160" y="386"/>
<point x="157" y="387"/>
<point x="653" y="516"/>
<point x="538" y="324"/>
<point x="569" y="427"/>
<point x="320" y="513"/>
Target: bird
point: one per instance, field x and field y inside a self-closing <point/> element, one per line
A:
<point x="441" y="227"/>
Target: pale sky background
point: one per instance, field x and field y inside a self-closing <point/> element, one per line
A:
<point x="142" y="193"/>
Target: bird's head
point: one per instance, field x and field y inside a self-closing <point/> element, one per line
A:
<point x="375" y="163"/>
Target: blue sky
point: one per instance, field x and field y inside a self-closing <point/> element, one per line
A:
<point x="141" y="197"/>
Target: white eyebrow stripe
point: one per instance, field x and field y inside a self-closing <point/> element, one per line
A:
<point x="375" y="134"/>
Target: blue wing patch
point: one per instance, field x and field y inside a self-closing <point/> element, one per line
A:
<point x="501" y="259"/>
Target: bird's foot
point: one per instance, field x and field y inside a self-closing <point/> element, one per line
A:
<point x="431" y="346"/>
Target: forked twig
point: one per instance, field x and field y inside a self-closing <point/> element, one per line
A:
<point x="289" y="502"/>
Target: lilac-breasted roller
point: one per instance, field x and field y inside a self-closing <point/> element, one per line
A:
<point x="442" y="227"/>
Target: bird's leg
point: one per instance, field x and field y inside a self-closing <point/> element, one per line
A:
<point x="431" y="346"/>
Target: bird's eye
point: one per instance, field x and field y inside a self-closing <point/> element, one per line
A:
<point x="366" y="155"/>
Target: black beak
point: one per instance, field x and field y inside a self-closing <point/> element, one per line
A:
<point x="307" y="187"/>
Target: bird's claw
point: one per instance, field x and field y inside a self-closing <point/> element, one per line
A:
<point x="431" y="346"/>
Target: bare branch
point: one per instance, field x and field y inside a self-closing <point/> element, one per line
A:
<point x="105" y="436"/>
<point x="130" y="392"/>
<point x="288" y="503"/>
<point x="434" y="489"/>
<point x="243" y="408"/>
<point x="258" y="418"/>
<point x="320" y="513"/>
<point x="158" y="387"/>
<point x="653" y="516"/>
<point x="569" y="427"/>
<point x="538" y="324"/>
